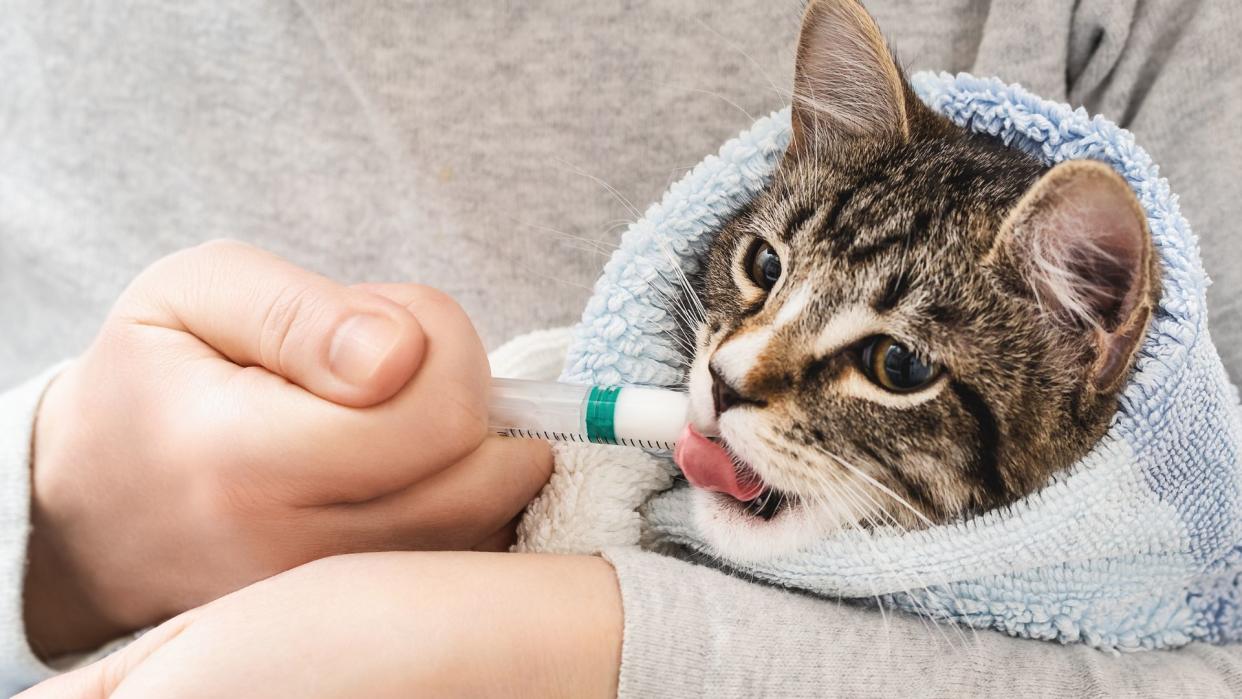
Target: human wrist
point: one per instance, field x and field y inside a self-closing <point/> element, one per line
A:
<point x="60" y="612"/>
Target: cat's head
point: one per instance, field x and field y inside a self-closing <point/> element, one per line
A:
<point x="911" y="323"/>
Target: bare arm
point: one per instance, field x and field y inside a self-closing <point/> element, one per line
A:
<point x="384" y="624"/>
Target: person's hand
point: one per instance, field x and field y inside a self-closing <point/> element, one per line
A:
<point x="382" y="625"/>
<point x="238" y="416"/>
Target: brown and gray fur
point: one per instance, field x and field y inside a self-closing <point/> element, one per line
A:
<point x="1029" y="287"/>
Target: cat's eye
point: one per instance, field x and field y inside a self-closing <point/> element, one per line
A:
<point x="763" y="265"/>
<point x="895" y="367"/>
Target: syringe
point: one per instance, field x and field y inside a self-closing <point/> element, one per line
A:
<point x="634" y="416"/>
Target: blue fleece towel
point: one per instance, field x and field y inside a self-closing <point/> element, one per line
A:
<point x="1139" y="545"/>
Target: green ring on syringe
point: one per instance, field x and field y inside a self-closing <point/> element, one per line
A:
<point x="601" y="414"/>
<point x="640" y="416"/>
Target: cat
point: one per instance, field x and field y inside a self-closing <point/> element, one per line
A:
<point x="911" y="324"/>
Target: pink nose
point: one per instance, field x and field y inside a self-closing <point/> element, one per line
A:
<point x="724" y="396"/>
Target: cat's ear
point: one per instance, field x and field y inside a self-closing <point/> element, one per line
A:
<point x="846" y="82"/>
<point x="1081" y="238"/>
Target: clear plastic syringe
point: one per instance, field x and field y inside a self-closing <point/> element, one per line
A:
<point x="631" y="415"/>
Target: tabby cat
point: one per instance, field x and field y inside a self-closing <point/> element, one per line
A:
<point x="912" y="323"/>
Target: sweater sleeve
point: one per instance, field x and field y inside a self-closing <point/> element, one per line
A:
<point x="695" y="631"/>
<point x="18" y="665"/>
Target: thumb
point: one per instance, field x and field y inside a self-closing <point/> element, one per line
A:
<point x="345" y="345"/>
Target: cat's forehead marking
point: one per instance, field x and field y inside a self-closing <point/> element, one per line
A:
<point x="847" y="325"/>
<point x="794" y="305"/>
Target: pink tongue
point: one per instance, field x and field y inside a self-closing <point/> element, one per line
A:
<point x="707" y="465"/>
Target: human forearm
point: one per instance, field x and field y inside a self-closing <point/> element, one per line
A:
<point x="388" y="624"/>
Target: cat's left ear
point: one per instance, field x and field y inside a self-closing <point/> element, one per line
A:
<point x="846" y="81"/>
<point x="1080" y="237"/>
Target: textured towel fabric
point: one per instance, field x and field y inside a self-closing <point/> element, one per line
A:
<point x="1137" y="546"/>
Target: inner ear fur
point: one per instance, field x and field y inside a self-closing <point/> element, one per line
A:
<point x="1080" y="238"/>
<point x="846" y="82"/>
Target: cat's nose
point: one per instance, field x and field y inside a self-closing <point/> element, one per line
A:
<point x="724" y="395"/>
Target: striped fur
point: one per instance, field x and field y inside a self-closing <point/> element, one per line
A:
<point x="920" y="231"/>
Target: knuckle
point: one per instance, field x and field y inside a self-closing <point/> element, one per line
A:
<point x="188" y="263"/>
<point x="292" y="307"/>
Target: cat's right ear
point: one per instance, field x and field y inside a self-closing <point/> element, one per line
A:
<point x="1080" y="237"/>
<point x="846" y="82"/>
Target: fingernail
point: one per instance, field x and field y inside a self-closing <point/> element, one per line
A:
<point x="360" y="345"/>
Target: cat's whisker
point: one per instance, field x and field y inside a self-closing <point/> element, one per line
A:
<point x="621" y="199"/>
<point x="690" y="292"/>
<point x="784" y="93"/>
<point x="679" y="342"/>
<point x="925" y="616"/>
<point x="910" y="581"/>
<point x="844" y="490"/>
<point x="749" y="117"/>
<point x="676" y="308"/>
<point x="558" y="280"/>
<point x="880" y="486"/>
<point x="874" y="592"/>
<point x="592" y="245"/>
<point x="612" y="226"/>
<point x="850" y="491"/>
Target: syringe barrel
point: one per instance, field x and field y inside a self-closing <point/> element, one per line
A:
<point x="650" y="417"/>
<point x="629" y="415"/>
<point x="543" y="409"/>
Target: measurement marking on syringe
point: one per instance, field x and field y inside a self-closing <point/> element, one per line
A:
<point x="643" y="417"/>
<point x="577" y="438"/>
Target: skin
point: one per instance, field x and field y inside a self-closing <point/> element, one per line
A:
<point x="216" y="434"/>
<point x="399" y="625"/>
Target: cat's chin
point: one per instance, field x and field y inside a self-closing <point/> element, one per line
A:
<point x="735" y="533"/>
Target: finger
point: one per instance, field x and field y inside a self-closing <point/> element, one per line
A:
<point x="342" y="344"/>
<point x="100" y="679"/>
<point x="501" y="540"/>
<point x="457" y="508"/>
<point x="315" y="452"/>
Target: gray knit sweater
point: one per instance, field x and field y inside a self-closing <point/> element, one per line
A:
<point x="491" y="149"/>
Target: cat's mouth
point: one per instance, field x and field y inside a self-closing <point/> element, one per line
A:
<point x="710" y="465"/>
<point x="767" y="505"/>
